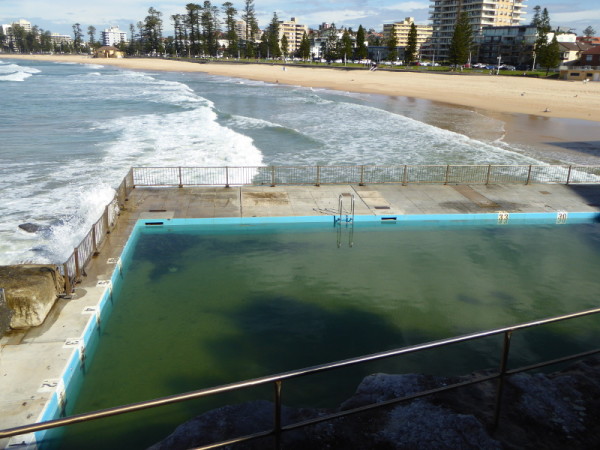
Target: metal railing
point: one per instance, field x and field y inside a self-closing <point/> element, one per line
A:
<point x="278" y="380"/>
<point x="364" y="174"/>
<point x="73" y="268"/>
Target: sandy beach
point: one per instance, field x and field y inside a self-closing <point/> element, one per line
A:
<point x="530" y="96"/>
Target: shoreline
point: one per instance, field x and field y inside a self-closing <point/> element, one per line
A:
<point x="500" y="94"/>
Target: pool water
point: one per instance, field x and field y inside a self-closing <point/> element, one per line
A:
<point x="201" y="306"/>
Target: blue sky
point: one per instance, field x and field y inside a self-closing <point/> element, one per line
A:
<point x="59" y="15"/>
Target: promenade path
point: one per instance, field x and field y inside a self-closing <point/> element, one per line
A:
<point x="30" y="361"/>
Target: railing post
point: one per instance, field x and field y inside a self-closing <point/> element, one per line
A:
<point x="489" y="174"/>
<point x="105" y="219"/>
<point x="272" y="176"/>
<point x="77" y="268"/>
<point x="68" y="287"/>
<point x="446" y="176"/>
<point x="95" y="245"/>
<point x="226" y="176"/>
<point x="277" y="417"/>
<point x="503" y="367"/>
<point x="318" y="183"/>
<point x="180" y="178"/>
<point x="528" y="175"/>
<point x="569" y="175"/>
<point x="362" y="176"/>
<point x="405" y="176"/>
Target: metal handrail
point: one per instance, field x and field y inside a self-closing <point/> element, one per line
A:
<point x="278" y="380"/>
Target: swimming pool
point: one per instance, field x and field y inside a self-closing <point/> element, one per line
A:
<point x="197" y="303"/>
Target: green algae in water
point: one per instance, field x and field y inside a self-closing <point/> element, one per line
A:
<point x="204" y="307"/>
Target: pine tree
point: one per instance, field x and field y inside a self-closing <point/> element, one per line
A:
<point x="231" y="35"/>
<point x="346" y="46"/>
<point x="284" y="46"/>
<point x="392" y="45"/>
<point x="462" y="40"/>
<point x="305" y="47"/>
<point x="589" y="32"/>
<point x="249" y="16"/>
<point x="410" y="51"/>
<point x="361" y="48"/>
<point x="549" y="55"/>
<point x="77" y="35"/>
<point x="273" y="37"/>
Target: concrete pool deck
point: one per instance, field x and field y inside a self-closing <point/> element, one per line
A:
<point x="32" y="361"/>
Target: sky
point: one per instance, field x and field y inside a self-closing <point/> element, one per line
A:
<point x="58" y="16"/>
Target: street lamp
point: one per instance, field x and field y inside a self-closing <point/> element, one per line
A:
<point x="498" y="69"/>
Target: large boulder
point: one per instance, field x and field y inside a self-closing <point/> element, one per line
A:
<point x="550" y="411"/>
<point x="30" y="290"/>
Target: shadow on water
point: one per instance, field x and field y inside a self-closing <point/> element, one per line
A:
<point x="590" y="148"/>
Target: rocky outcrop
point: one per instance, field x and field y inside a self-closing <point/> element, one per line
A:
<point x="555" y="411"/>
<point x="30" y="290"/>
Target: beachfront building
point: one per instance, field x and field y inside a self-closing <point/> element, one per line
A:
<point x="510" y="44"/>
<point x="113" y="36"/>
<point x="8" y="30"/>
<point x="294" y="32"/>
<point x="482" y="14"/>
<point x="401" y="30"/>
<point x="571" y="52"/>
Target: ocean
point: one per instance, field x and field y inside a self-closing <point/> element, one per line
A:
<point x="70" y="132"/>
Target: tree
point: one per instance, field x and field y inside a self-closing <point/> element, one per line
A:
<point x="249" y="17"/>
<point x="392" y="45"/>
<point x="549" y="55"/>
<point x="273" y="37"/>
<point x="230" y="34"/>
<point x="329" y="47"/>
<point x="462" y="40"/>
<point x="210" y="28"/>
<point x="193" y="25"/>
<point x="346" y="46"/>
<point x="284" y="46"/>
<point x="361" y="48"/>
<point x="542" y="21"/>
<point x="410" y="51"/>
<point x="304" y="50"/>
<point x="91" y="33"/>
<point x="77" y="37"/>
<point x="589" y="32"/>
<point x="152" y="32"/>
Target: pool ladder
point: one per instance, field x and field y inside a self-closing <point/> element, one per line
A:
<point x="349" y="220"/>
<point x="349" y="217"/>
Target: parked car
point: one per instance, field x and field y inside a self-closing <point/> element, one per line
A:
<point x="506" y="67"/>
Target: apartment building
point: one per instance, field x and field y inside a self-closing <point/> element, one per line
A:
<point x="293" y="32"/>
<point x="482" y="14"/>
<point x="113" y="36"/>
<point x="401" y="30"/>
<point x="512" y="44"/>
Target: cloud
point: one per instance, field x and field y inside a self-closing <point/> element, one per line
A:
<point x="406" y="6"/>
<point x="576" y="16"/>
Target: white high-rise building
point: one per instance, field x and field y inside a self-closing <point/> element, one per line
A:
<point x="113" y="36"/>
<point x="482" y="13"/>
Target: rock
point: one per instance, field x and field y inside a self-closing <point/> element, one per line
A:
<point x="30" y="227"/>
<point x="31" y="290"/>
<point x="538" y="411"/>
